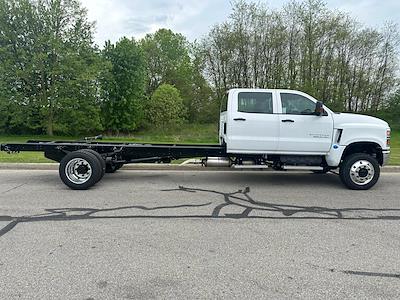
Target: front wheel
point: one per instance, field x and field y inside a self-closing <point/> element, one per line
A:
<point x="359" y="171"/>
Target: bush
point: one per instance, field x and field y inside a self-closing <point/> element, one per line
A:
<point x="165" y="108"/>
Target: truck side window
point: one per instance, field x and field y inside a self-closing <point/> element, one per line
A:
<point x="260" y="103"/>
<point x="293" y="104"/>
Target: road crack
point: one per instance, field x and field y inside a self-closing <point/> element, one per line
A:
<point x="14" y="188"/>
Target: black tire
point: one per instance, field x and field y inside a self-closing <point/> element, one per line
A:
<point x="68" y="165"/>
<point x="353" y="165"/>
<point x="101" y="160"/>
<point x="112" y="168"/>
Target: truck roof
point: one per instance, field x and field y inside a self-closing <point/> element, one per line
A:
<point x="261" y="90"/>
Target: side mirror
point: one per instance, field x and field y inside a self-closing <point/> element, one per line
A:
<point x="319" y="108"/>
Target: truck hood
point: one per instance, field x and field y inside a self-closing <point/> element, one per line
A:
<point x="343" y="119"/>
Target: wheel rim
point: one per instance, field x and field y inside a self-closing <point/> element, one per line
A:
<point x="78" y="170"/>
<point x="362" y="172"/>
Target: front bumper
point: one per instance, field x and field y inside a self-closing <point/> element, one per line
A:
<point x="386" y="157"/>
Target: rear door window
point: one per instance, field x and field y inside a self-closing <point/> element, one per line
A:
<point x="259" y="103"/>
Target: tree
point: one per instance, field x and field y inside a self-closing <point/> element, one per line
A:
<point x="18" y="23"/>
<point x="48" y="62"/>
<point x="167" y="58"/>
<point x="123" y="86"/>
<point x="170" y="59"/>
<point x="165" y="108"/>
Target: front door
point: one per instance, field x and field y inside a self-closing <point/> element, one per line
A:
<point x="252" y="126"/>
<point x="300" y="129"/>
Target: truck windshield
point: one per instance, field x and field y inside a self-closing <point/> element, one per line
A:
<point x="224" y="103"/>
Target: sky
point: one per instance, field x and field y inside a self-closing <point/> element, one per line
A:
<point x="194" y="18"/>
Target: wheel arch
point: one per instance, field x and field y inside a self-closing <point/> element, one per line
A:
<point x="370" y="148"/>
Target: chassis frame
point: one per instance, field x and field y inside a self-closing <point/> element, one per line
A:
<point x="118" y="153"/>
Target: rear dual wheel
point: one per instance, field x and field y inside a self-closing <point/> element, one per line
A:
<point x="101" y="160"/>
<point x="81" y="169"/>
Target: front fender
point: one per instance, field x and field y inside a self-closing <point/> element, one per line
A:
<point x="367" y="134"/>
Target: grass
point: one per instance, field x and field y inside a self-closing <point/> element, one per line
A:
<point x="186" y="134"/>
<point x="395" y="148"/>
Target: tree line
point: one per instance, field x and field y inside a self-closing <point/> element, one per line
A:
<point x="304" y="46"/>
<point x="55" y="80"/>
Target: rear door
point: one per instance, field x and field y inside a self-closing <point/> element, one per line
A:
<point x="252" y="125"/>
<point x="300" y="129"/>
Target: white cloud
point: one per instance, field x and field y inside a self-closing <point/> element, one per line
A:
<point x="370" y="12"/>
<point x="193" y="18"/>
<point x="136" y="18"/>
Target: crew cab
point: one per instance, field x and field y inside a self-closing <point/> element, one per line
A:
<point x="292" y="130"/>
<point x="258" y="129"/>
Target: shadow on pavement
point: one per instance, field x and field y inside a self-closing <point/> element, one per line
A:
<point x="239" y="199"/>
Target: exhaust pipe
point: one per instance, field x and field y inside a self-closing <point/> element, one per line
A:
<point x="217" y="162"/>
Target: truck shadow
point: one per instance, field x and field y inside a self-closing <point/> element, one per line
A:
<point x="294" y="179"/>
<point x="240" y="199"/>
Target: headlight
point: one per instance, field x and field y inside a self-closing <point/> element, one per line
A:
<point x="388" y="134"/>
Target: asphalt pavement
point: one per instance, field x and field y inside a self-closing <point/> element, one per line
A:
<point x="164" y="234"/>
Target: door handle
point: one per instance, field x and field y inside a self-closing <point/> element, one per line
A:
<point x="239" y="119"/>
<point x="288" y="121"/>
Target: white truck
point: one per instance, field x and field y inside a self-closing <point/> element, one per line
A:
<point x="291" y="130"/>
<point x="259" y="128"/>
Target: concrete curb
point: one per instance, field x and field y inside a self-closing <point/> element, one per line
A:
<point x="28" y="166"/>
<point x="188" y="167"/>
<point x="54" y="166"/>
<point x="391" y="169"/>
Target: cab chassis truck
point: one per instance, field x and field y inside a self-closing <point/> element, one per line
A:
<point x="259" y="128"/>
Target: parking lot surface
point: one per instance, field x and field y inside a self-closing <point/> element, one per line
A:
<point x="204" y="235"/>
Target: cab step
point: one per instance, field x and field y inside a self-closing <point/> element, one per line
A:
<point x="303" y="168"/>
<point x="250" y="167"/>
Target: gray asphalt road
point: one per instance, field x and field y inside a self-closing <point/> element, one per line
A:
<point x="171" y="234"/>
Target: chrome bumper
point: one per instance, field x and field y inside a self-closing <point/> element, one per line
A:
<point x="386" y="157"/>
